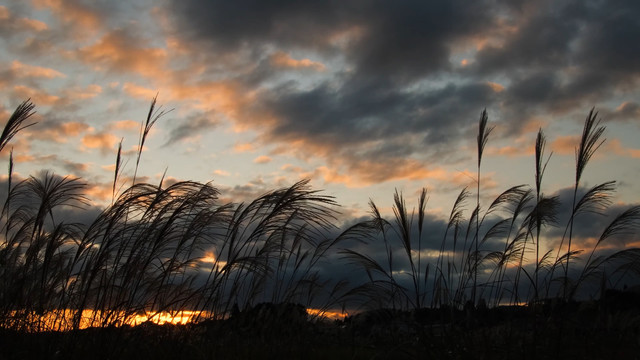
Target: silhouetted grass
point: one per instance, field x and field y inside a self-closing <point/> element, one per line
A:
<point x="144" y="254"/>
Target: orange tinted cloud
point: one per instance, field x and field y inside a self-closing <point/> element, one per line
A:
<point x="565" y="145"/>
<point x="221" y="172"/>
<point x="495" y="86"/>
<point x="60" y="132"/>
<point x="368" y="172"/>
<point x="117" y="51"/>
<point x="20" y="144"/>
<point x="33" y="24"/>
<point x="245" y="147"/>
<point x="25" y="70"/>
<point x="262" y="159"/>
<point x="361" y="172"/>
<point x="23" y="158"/>
<point x="224" y="96"/>
<point x="511" y="151"/>
<point x="100" y="192"/>
<point x="102" y="141"/>
<point x="128" y="125"/>
<point x="627" y="109"/>
<point x="89" y="92"/>
<point x="37" y="96"/>
<point x="73" y="128"/>
<point x="20" y="24"/>
<point x="616" y="147"/>
<point x="139" y="91"/>
<point x="284" y="60"/>
<point x="72" y="12"/>
<point x="333" y="176"/>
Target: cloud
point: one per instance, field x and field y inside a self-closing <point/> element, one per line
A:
<point x="565" y="54"/>
<point x="99" y="193"/>
<point x="399" y="40"/>
<point x="626" y="111"/>
<point x="33" y="24"/>
<point x="78" y="169"/>
<point x="281" y="59"/>
<point x="511" y="151"/>
<point x="243" y="147"/>
<point x="565" y="145"/>
<point x="353" y="124"/>
<point x="34" y="71"/>
<point x="58" y="131"/>
<point x="263" y="159"/>
<point x="105" y="142"/>
<point x="383" y="83"/>
<point x="193" y="126"/>
<point x="36" y="95"/>
<point x="72" y="12"/>
<point x="119" y="51"/>
<point x="89" y="92"/>
<point x="588" y="226"/>
<point x="495" y="86"/>
<point x="221" y="172"/>
<point x="72" y="168"/>
<point x="127" y="125"/>
<point x="139" y="92"/>
<point x="244" y="192"/>
<point x="13" y="24"/>
<point x="616" y="147"/>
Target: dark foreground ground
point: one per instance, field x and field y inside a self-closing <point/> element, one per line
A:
<point x="589" y="330"/>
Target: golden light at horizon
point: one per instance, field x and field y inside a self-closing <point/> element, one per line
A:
<point x="63" y="320"/>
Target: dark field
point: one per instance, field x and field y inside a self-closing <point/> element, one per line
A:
<point x="605" y="329"/>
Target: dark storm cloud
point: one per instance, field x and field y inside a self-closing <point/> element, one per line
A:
<point x="608" y="42"/>
<point x="229" y="25"/>
<point x="376" y="111"/>
<point x="542" y="40"/>
<point x="406" y="40"/>
<point x="566" y="53"/>
<point x="401" y="75"/>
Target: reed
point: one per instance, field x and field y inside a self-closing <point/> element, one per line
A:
<point x="519" y="217"/>
<point x="156" y="249"/>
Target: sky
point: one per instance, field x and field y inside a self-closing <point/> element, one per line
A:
<point x="360" y="97"/>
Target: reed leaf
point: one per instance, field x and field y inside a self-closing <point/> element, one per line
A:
<point x="15" y="124"/>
